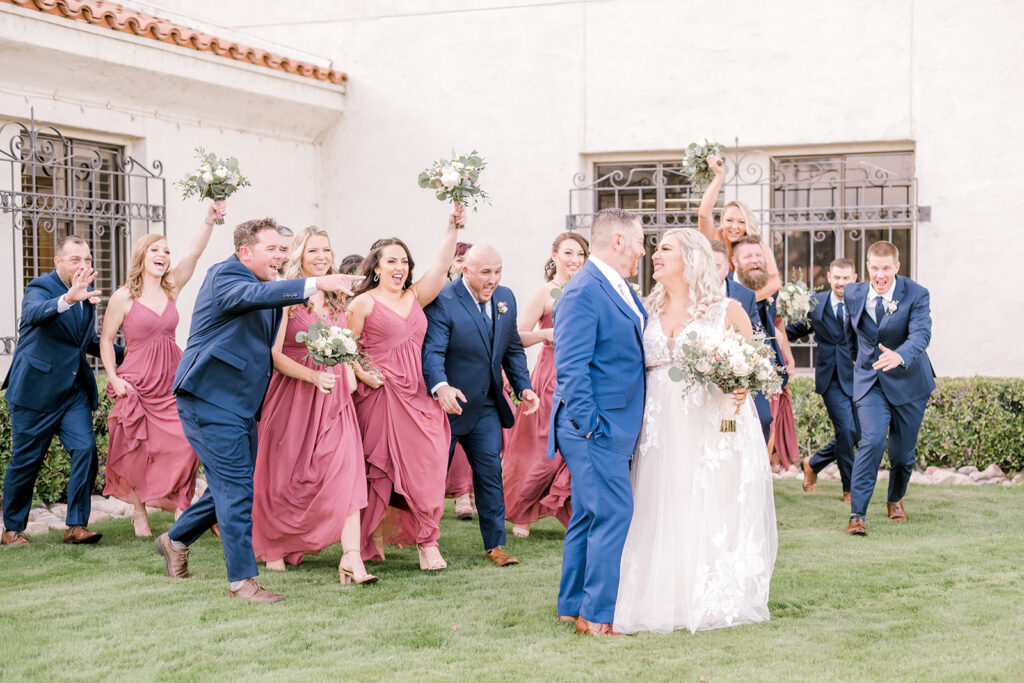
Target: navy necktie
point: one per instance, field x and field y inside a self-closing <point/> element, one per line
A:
<point x="841" y="313"/>
<point x="487" y="319"/>
<point x="879" y="310"/>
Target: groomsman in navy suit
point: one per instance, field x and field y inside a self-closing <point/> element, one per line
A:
<point x="732" y="288"/>
<point x="51" y="390"/>
<point x="889" y="325"/>
<point x="833" y="375"/>
<point x="220" y="384"/>
<point x="471" y="337"/>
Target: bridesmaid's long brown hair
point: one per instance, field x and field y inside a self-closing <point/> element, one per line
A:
<point x="549" y="267"/>
<point x="135" y="272"/>
<point x="373" y="260"/>
<point x="293" y="266"/>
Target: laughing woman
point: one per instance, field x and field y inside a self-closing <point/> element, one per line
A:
<point x="149" y="461"/>
<point x="535" y="485"/>
<point x="405" y="431"/>
<point x="310" y="480"/>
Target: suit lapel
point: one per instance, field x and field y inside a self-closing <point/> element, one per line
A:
<point x="855" y="308"/>
<point x="496" y="322"/>
<point x="618" y="301"/>
<point x="472" y="309"/>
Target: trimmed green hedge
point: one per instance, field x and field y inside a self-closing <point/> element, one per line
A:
<point x="969" y="421"/>
<point x="52" y="484"/>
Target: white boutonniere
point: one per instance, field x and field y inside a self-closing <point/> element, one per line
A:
<point x="502" y="308"/>
<point x="891" y="308"/>
<point x="636" y="288"/>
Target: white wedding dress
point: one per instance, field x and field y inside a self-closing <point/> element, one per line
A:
<point x="701" y="546"/>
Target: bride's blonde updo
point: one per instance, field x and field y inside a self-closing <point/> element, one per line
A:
<point x="698" y="272"/>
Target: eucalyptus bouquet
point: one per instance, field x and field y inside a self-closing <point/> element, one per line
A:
<point x="794" y="300"/>
<point x="215" y="179"/>
<point x="456" y="180"/>
<point x="729" y="361"/>
<point x="695" y="163"/>
<point x="329" y="345"/>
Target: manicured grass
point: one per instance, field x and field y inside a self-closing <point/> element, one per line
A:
<point x="939" y="597"/>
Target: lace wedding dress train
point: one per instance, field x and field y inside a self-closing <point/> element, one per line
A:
<point x="702" y="542"/>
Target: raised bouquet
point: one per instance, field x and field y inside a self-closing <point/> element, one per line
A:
<point x="729" y="361"/>
<point x="215" y="179"/>
<point x="329" y="345"/>
<point x="456" y="180"/>
<point x="794" y="301"/>
<point x="695" y="163"/>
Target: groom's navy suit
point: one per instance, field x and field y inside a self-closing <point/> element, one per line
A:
<point x="597" y="409"/>
<point x="833" y="379"/>
<point x="890" y="404"/>
<point x="51" y="390"/>
<point x="220" y="384"/>
<point x="468" y="348"/>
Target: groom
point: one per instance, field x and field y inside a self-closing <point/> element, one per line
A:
<point x="597" y="410"/>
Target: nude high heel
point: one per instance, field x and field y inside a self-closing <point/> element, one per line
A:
<point x="347" y="576"/>
<point x="431" y="564"/>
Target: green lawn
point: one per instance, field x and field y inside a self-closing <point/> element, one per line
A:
<point x="940" y="597"/>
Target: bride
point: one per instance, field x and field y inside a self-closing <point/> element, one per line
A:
<point x="701" y="545"/>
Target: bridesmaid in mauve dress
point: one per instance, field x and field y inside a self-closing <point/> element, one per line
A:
<point x="309" y="483"/>
<point x="405" y="431"/>
<point x="535" y="485"/>
<point x="149" y="460"/>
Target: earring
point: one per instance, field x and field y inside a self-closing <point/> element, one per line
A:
<point x="376" y="277"/>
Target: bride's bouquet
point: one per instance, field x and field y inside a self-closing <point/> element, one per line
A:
<point x="727" y="360"/>
<point x="695" y="163"/>
<point x="794" y="301"/>
<point x="329" y="345"/>
<point x="456" y="180"/>
<point x="215" y="179"/>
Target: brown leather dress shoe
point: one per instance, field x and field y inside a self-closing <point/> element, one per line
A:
<point x="252" y="590"/>
<point x="591" y="628"/>
<point x="79" y="535"/>
<point x="571" y="620"/>
<point x="896" y="511"/>
<point x="500" y="557"/>
<point x="856" y="527"/>
<point x="175" y="561"/>
<point x="13" y="538"/>
<point x="810" y="476"/>
<point x="846" y="497"/>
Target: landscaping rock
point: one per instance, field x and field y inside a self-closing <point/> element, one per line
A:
<point x="98" y="516"/>
<point x="36" y="529"/>
<point x="1019" y="479"/>
<point x="930" y="470"/>
<point x="967" y="469"/>
<point x="59" y="510"/>
<point x="976" y="475"/>
<point x="946" y="477"/>
<point x="917" y="477"/>
<point x="992" y="472"/>
<point x="35" y="513"/>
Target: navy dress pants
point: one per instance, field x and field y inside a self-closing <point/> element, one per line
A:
<point x="482" y="445"/>
<point x="32" y="432"/>
<point x="843" y="414"/>
<point x="226" y="445"/>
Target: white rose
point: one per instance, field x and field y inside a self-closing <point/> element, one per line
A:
<point x="703" y="366"/>
<point x="350" y="345"/>
<point x="221" y="173"/>
<point x="233" y="179"/>
<point x="450" y="178"/>
<point x="208" y="177"/>
<point x="205" y="168"/>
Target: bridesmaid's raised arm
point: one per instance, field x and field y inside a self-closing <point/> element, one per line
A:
<point x="705" y="214"/>
<point x="538" y="304"/>
<point x="290" y="368"/>
<point x="182" y="272"/>
<point x="430" y="283"/>
<point x="118" y="306"/>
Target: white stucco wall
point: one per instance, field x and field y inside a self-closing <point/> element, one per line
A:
<point x="543" y="89"/>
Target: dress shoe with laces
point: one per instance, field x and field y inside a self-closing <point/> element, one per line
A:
<point x="896" y="511"/>
<point x="175" y="561"/>
<point x="13" y="538"/>
<point x="592" y="628"/>
<point x="810" y="476"/>
<point x="252" y="590"/>
<point x="856" y="527"/>
<point x="500" y="557"/>
<point x="79" y="534"/>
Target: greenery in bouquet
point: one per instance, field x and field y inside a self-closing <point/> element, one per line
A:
<point x="794" y="300"/>
<point x="456" y="180"/>
<point x="728" y="361"/>
<point x="215" y="179"/>
<point x="329" y="345"/>
<point x="695" y="163"/>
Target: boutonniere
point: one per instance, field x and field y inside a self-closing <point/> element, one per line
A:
<point x="770" y="300"/>
<point x="891" y="308"/>
<point x="637" y="290"/>
<point x="502" y="308"/>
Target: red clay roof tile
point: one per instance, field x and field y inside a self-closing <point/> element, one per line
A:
<point x="119" y="18"/>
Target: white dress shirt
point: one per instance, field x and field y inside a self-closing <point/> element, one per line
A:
<point x="619" y="283"/>
<point x="487" y="308"/>
<point x="869" y="307"/>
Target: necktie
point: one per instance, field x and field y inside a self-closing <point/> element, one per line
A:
<point x="841" y="313"/>
<point x="483" y="310"/>
<point x="879" y="310"/>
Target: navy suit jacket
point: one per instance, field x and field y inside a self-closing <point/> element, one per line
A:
<point x="832" y="354"/>
<point x="906" y="331"/>
<point x="456" y="351"/>
<point x="745" y="296"/>
<point x="599" y="363"/>
<point x="227" y="361"/>
<point x="50" y="358"/>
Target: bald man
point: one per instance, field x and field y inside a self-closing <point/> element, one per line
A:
<point x="471" y="337"/>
